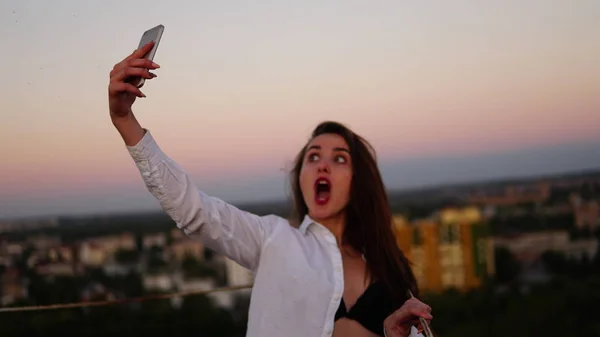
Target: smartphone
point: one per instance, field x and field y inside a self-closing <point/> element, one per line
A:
<point x="152" y="34"/>
<point x="424" y="324"/>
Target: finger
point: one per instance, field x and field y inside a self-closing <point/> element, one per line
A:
<point x="116" y="88"/>
<point x="126" y="73"/>
<point x="424" y="311"/>
<point x="137" y="63"/>
<point x="143" y="63"/>
<point x="412" y="312"/>
<point x="136" y="54"/>
<point x="424" y="314"/>
<point x="419" y="308"/>
<point x="141" y="52"/>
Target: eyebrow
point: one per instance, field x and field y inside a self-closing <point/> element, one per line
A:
<point x="318" y="147"/>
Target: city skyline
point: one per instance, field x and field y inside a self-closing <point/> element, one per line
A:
<point x="241" y="87"/>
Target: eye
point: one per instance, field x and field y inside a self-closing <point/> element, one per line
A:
<point x="313" y="157"/>
<point x="340" y="159"/>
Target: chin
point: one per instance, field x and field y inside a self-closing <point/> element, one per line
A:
<point x="321" y="213"/>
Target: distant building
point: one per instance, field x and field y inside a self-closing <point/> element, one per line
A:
<point x="20" y="225"/>
<point x="56" y="269"/>
<point x="511" y="195"/>
<point x="12" y="287"/>
<point x="92" y="254"/>
<point x="95" y="291"/>
<point x="452" y="250"/>
<point x="115" y="269"/>
<point x="528" y="247"/>
<point x="185" y="246"/>
<point x="13" y="249"/>
<point x="158" y="282"/>
<point x="177" y="234"/>
<point x="587" y="212"/>
<point x="112" y="243"/>
<point x="154" y="240"/>
<point x="62" y="253"/>
<point x="45" y="242"/>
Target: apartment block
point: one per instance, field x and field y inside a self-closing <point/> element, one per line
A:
<point x="452" y="250"/>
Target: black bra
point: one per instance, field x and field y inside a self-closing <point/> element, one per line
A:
<point x="370" y="309"/>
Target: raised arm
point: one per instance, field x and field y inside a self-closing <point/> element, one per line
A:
<point x="222" y="227"/>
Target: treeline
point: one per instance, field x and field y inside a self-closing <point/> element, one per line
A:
<point x="197" y="316"/>
<point x="567" y="306"/>
<point x="563" y="307"/>
<point x="531" y="222"/>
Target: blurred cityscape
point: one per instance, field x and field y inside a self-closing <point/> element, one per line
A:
<point x="516" y="258"/>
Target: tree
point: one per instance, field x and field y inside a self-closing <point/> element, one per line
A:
<point x="189" y="261"/>
<point x="556" y="262"/>
<point x="126" y="256"/>
<point x="507" y="267"/>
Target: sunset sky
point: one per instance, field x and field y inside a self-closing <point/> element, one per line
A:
<point x="445" y="90"/>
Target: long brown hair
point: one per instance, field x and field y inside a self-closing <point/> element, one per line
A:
<point x="368" y="214"/>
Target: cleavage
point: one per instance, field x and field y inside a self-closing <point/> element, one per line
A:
<point x="355" y="283"/>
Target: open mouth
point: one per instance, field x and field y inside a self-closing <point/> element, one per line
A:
<point x="322" y="191"/>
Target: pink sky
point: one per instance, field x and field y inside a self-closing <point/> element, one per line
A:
<point x="241" y="88"/>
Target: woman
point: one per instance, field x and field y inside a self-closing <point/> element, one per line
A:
<point x="336" y="272"/>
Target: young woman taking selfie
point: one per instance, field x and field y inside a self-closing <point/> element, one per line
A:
<point x="334" y="271"/>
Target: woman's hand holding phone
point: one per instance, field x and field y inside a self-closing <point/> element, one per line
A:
<point x="122" y="94"/>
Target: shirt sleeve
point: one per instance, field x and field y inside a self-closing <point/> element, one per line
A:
<point x="237" y="234"/>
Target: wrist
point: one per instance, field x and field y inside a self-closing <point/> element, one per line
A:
<point x="129" y="128"/>
<point x="117" y="120"/>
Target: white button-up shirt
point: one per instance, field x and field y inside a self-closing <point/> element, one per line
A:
<point x="299" y="280"/>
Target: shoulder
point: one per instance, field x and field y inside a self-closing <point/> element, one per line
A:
<point x="276" y="225"/>
<point x="285" y="235"/>
<point x="280" y="226"/>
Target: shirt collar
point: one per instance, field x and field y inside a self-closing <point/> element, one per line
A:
<point x="305" y="224"/>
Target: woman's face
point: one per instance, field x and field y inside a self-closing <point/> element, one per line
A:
<point x="326" y="176"/>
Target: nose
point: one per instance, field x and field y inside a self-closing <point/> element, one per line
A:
<point x="323" y="166"/>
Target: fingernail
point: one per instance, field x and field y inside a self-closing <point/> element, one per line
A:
<point x="155" y="65"/>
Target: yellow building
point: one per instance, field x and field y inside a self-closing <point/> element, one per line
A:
<point x="453" y="251"/>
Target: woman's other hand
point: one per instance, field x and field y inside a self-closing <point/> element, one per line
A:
<point x="401" y="321"/>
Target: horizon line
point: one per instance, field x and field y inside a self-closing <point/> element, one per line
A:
<point x="398" y="190"/>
